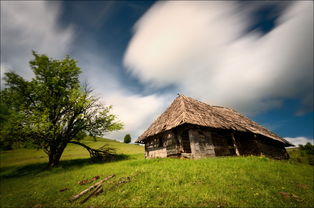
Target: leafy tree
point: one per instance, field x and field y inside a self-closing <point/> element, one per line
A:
<point x="52" y="109"/>
<point x="127" y="138"/>
<point x="309" y="148"/>
<point x="4" y="115"/>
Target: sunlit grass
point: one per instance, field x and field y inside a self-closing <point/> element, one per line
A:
<point x="29" y="156"/>
<point x="211" y="182"/>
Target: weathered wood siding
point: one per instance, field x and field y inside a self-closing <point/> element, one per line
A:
<point x="198" y="142"/>
<point x="163" y="145"/>
<point x="155" y="147"/>
<point x="201" y="143"/>
<point x="247" y="143"/>
<point x="223" y="143"/>
<point x="272" y="149"/>
<point x="156" y="153"/>
<point x="172" y="143"/>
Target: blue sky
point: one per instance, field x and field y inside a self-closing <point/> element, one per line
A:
<point x="255" y="57"/>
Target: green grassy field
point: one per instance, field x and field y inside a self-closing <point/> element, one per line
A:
<point x="211" y="182"/>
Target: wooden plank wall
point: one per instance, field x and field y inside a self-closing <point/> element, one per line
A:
<point x="201" y="143"/>
<point x="272" y="149"/>
<point x="206" y="142"/>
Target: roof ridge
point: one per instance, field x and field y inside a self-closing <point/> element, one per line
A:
<point x="183" y="108"/>
<point x="219" y="106"/>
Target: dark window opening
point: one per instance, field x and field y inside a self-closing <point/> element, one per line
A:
<point x="186" y="142"/>
<point x="160" y="142"/>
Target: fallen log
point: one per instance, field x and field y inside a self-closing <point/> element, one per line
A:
<point x="98" y="189"/>
<point x="75" y="197"/>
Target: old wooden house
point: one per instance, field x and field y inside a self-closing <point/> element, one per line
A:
<point x="193" y="129"/>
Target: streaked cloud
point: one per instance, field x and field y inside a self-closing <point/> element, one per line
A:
<point x="203" y="49"/>
<point x="299" y="140"/>
<point x="136" y="111"/>
<point x="27" y="26"/>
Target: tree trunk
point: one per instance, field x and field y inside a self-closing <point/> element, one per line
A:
<point x="54" y="160"/>
<point x="54" y="156"/>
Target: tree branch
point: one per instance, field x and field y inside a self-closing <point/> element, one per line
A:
<point x="103" y="153"/>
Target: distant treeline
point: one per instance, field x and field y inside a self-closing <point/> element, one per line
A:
<point x="308" y="148"/>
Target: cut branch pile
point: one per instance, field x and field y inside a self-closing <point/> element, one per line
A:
<point x="103" y="153"/>
<point x="97" y="189"/>
<point x="87" y="181"/>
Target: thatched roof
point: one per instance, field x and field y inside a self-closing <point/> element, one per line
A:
<point x="186" y="110"/>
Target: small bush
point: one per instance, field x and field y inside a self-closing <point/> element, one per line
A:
<point x="127" y="138"/>
<point x="303" y="154"/>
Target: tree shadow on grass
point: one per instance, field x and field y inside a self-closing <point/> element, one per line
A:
<point x="34" y="169"/>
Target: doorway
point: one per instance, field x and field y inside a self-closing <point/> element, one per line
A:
<point x="186" y="142"/>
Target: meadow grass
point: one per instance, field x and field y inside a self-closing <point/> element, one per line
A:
<point x="210" y="182"/>
<point x="297" y="155"/>
<point x="18" y="157"/>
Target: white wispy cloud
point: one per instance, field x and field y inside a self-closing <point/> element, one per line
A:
<point x="202" y="47"/>
<point x="134" y="110"/>
<point x="299" y="140"/>
<point x="27" y="26"/>
<point x="199" y="47"/>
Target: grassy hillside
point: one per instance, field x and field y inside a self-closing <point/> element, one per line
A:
<point x="301" y="156"/>
<point x="211" y="182"/>
<point x="73" y="151"/>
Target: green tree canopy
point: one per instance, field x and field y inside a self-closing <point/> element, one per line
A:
<point x="52" y="109"/>
<point x="127" y="138"/>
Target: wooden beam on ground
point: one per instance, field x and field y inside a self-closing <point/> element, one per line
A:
<point x="98" y="189"/>
<point x="75" y="197"/>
